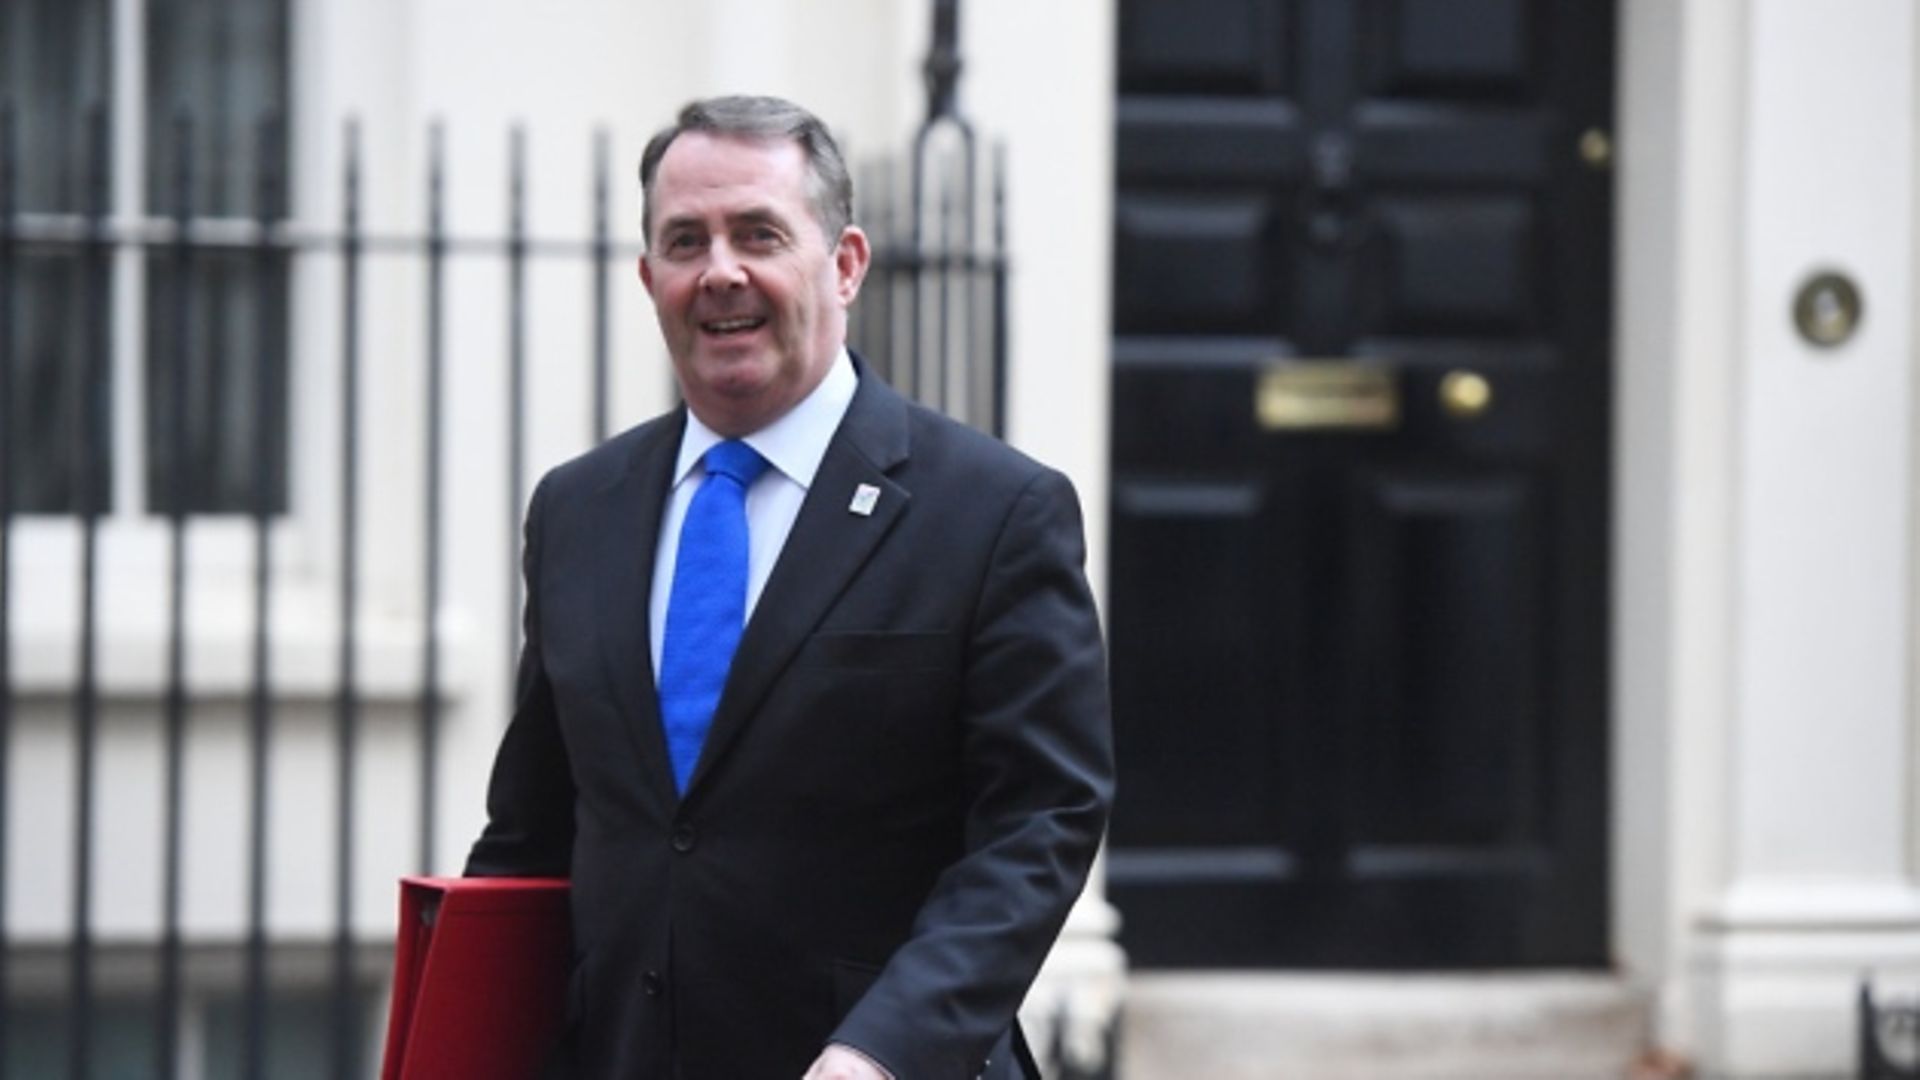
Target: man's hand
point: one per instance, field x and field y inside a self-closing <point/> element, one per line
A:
<point x="838" y="1062"/>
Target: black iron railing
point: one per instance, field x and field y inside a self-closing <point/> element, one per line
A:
<point x="1889" y="1036"/>
<point x="933" y="317"/>
<point x="7" y="199"/>
<point x="934" y="311"/>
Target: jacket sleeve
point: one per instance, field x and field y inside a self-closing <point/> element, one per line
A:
<point x="529" y="830"/>
<point x="1038" y="769"/>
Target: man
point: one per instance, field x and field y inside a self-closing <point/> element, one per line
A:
<point x="838" y="842"/>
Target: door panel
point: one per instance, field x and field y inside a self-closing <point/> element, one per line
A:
<point x="1197" y="262"/>
<point x="1205" y="535"/>
<point x="1358" y="637"/>
<point x="1444" y="594"/>
<point x="1452" y="48"/>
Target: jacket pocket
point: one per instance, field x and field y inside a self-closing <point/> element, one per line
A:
<point x="879" y="651"/>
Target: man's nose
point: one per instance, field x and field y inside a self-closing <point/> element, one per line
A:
<point x="723" y="270"/>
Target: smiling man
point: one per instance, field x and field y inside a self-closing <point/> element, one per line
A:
<point x="812" y="707"/>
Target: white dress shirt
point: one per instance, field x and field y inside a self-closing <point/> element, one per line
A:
<point x="793" y="445"/>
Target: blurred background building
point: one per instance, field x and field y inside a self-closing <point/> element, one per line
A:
<point x="1494" y="419"/>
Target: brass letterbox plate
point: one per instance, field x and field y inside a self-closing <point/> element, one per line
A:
<point x="1327" y="395"/>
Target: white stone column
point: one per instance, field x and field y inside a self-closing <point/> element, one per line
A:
<point x="1039" y="76"/>
<point x="1820" y="885"/>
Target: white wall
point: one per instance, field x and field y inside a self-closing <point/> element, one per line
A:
<point x="1764" y="743"/>
<point x="1040" y="77"/>
<point x="1677" y="211"/>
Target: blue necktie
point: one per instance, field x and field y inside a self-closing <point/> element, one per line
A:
<point x="708" y="605"/>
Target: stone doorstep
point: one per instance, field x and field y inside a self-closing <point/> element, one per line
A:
<point x="1293" y="1026"/>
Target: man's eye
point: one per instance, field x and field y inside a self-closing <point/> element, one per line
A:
<point x="682" y="243"/>
<point x="760" y="237"/>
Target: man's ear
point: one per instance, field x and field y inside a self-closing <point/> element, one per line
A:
<point x="851" y="258"/>
<point x="646" y="274"/>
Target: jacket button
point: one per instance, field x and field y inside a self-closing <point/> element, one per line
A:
<point x="652" y="983"/>
<point x="683" y="839"/>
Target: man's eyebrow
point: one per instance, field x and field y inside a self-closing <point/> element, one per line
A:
<point x="679" y="221"/>
<point x="752" y="215"/>
<point x="758" y="215"/>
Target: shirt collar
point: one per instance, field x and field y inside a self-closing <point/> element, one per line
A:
<point x="793" y="444"/>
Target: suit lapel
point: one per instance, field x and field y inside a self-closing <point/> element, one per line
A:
<point x="826" y="549"/>
<point x="626" y="530"/>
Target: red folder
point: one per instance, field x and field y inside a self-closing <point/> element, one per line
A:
<point x="479" y="978"/>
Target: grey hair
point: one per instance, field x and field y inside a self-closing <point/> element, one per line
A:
<point x="829" y="187"/>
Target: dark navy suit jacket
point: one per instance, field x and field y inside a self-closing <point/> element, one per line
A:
<point x="904" y="785"/>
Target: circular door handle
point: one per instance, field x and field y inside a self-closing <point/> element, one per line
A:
<point x="1465" y="395"/>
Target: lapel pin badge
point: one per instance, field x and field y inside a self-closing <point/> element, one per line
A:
<point x="864" y="497"/>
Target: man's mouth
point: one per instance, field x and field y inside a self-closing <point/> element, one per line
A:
<point x="744" y="324"/>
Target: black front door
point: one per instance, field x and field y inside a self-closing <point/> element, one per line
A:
<point x="1360" y="446"/>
